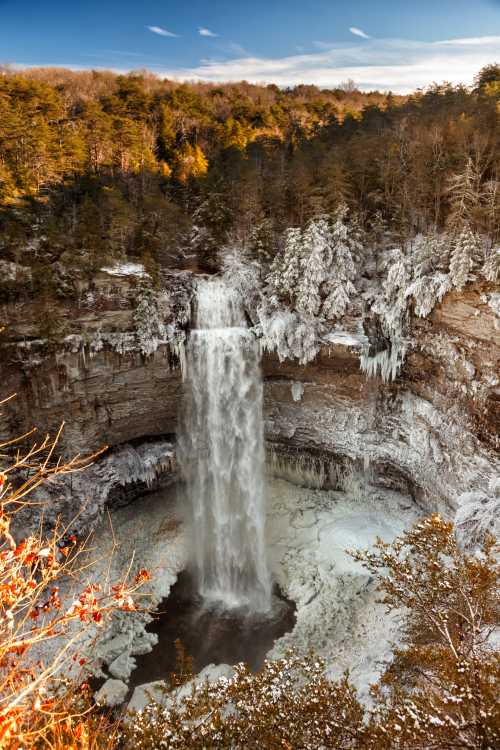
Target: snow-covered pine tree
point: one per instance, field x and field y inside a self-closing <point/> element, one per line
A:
<point x="464" y="189"/>
<point x="430" y="253"/>
<point x="317" y="252"/>
<point x="491" y="266"/>
<point x="285" y="269"/>
<point x="466" y="252"/>
<point x="427" y="291"/>
<point x="341" y="268"/>
<point x="490" y="198"/>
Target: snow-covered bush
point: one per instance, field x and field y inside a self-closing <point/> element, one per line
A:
<point x="288" y="333"/>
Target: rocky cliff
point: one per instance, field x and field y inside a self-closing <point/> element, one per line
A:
<point x="434" y="431"/>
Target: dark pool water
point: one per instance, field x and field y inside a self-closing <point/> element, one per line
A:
<point x="210" y="635"/>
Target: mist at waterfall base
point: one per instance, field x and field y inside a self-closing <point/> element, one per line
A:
<point x="221" y="453"/>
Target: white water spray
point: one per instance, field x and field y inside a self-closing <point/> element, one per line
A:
<point x="221" y="451"/>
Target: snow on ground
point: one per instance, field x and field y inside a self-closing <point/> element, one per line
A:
<point x="337" y="613"/>
<point x="308" y="531"/>
<point x="148" y="533"/>
<point x="126" y="269"/>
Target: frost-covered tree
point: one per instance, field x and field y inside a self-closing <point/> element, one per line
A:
<point x="288" y="333"/>
<point x="151" y="309"/>
<point x="490" y="196"/>
<point x="243" y="275"/>
<point x="341" y="272"/>
<point x="314" y="272"/>
<point x="427" y="291"/>
<point x="491" y="266"/>
<point x="466" y="252"/>
<point x="316" y="254"/>
<point x="316" y="268"/>
<point x="392" y="309"/>
<point x="285" y="269"/>
<point x="464" y="189"/>
<point x="430" y="253"/>
<point x="478" y="513"/>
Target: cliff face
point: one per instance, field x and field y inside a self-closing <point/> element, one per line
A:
<point x="115" y="375"/>
<point x="434" y="431"/>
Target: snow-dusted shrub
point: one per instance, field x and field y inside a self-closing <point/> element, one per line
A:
<point x="288" y="333"/>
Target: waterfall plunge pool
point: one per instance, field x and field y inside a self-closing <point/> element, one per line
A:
<point x="210" y="633"/>
<point x="307" y="533"/>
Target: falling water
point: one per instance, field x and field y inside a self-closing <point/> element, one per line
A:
<point x="222" y="452"/>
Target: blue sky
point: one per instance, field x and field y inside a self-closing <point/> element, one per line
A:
<point x="385" y="44"/>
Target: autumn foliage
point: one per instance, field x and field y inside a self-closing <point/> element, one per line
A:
<point x="44" y="700"/>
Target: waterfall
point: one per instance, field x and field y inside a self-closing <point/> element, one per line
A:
<point x="221" y="451"/>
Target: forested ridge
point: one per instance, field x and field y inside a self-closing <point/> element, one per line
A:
<point x="96" y="166"/>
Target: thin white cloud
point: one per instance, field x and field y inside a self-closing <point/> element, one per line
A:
<point x="161" y="31"/>
<point x="400" y="65"/>
<point x="202" y="31"/>
<point x="359" y="32"/>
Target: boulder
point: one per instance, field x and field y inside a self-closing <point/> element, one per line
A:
<point x="112" y="693"/>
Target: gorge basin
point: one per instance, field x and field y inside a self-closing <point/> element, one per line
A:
<point x="210" y="633"/>
<point x="307" y="532"/>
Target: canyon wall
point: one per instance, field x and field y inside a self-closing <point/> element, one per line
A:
<point x="434" y="431"/>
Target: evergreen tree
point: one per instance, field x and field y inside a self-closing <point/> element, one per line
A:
<point x="316" y="254"/>
<point x="286" y="267"/>
<point x="465" y="253"/>
<point x="491" y="267"/>
<point x="339" y="285"/>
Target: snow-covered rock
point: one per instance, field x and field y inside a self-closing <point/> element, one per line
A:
<point x="111" y="694"/>
<point x="158" y="691"/>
